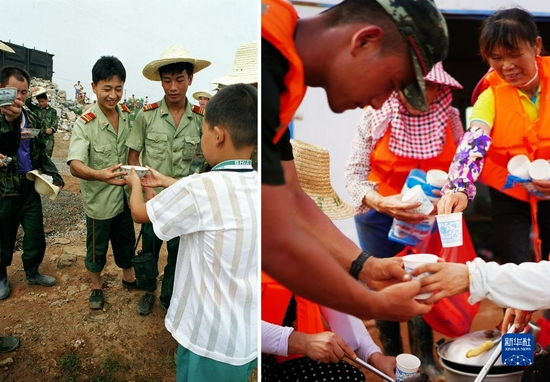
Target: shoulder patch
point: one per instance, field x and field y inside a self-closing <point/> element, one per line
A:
<point x="198" y="110"/>
<point x="88" y="117"/>
<point x="151" y="106"/>
<point x="125" y="108"/>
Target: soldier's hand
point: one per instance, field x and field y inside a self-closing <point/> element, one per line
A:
<point x="110" y="175"/>
<point x="13" y="111"/>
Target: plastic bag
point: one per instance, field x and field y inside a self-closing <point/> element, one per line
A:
<point x="451" y="316"/>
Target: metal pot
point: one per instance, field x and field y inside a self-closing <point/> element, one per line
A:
<point x="458" y="368"/>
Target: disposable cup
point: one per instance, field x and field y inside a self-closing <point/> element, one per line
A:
<point x="437" y="178"/>
<point x="415" y="195"/>
<point x="519" y="166"/>
<point x="412" y="262"/>
<point x="407" y="366"/>
<point x="539" y="169"/>
<point x="450" y="229"/>
<point x="7" y="95"/>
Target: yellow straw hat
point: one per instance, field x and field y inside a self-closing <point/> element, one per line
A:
<point x="41" y="185"/>
<point x="202" y="93"/>
<point x="245" y="66"/>
<point x="171" y="55"/>
<point x="312" y="166"/>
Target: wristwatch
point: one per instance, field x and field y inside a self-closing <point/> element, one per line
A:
<point x="357" y="264"/>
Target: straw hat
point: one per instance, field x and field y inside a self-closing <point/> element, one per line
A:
<point x="202" y="93"/>
<point x="41" y="185"/>
<point x="171" y="55"/>
<point x="6" y="48"/>
<point x="39" y="91"/>
<point x="312" y="166"/>
<point x="245" y="66"/>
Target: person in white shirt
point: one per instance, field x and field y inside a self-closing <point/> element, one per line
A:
<point x="213" y="312"/>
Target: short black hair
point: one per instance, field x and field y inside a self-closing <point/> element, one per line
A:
<point x="106" y="68"/>
<point x="366" y="11"/>
<point x="11" y="71"/>
<point x="507" y="29"/>
<point x="42" y="96"/>
<point x="177" y="68"/>
<point x="235" y="107"/>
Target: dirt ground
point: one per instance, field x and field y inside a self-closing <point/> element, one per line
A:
<point x="63" y="340"/>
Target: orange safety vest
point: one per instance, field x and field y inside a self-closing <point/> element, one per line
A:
<point x="275" y="299"/>
<point x="513" y="133"/>
<point x="390" y="171"/>
<point x="279" y="20"/>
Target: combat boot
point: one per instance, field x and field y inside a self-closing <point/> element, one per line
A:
<point x="34" y="277"/>
<point x="422" y="345"/>
<point x="389" y="333"/>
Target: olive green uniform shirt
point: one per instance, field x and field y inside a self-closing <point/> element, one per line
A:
<point x="95" y="143"/>
<point x="164" y="146"/>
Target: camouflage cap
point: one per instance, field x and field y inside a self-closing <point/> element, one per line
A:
<point x="425" y="30"/>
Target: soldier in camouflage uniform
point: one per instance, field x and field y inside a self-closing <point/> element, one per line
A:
<point x="166" y="134"/>
<point x="47" y="116"/>
<point x="20" y="204"/>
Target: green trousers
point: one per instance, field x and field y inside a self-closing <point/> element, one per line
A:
<point x="24" y="210"/>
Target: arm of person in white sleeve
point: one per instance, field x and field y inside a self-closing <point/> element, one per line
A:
<point x="353" y="331"/>
<point x="275" y="338"/>
<point x="522" y="286"/>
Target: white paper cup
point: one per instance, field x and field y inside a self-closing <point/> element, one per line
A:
<point x="411" y="262"/>
<point x="415" y="195"/>
<point x="407" y="366"/>
<point x="519" y="166"/>
<point x="450" y="229"/>
<point x="437" y="178"/>
<point x="539" y="169"/>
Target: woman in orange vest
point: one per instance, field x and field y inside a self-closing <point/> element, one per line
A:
<point x="389" y="143"/>
<point x="509" y="118"/>
<point x="297" y="345"/>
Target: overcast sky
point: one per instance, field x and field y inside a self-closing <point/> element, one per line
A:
<point x="78" y="32"/>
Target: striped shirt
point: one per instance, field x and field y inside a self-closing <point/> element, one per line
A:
<point x="214" y="306"/>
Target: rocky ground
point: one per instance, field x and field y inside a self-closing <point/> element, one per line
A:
<point x="61" y="338"/>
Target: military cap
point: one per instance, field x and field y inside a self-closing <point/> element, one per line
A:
<point x="425" y="30"/>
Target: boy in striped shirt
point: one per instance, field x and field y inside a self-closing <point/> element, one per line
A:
<point x="213" y="314"/>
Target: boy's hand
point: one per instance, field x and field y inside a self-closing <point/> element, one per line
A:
<point x="152" y="179"/>
<point x="133" y="180"/>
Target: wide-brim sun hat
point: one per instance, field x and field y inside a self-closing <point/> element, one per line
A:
<point x="40" y="90"/>
<point x="6" y="48"/>
<point x="245" y="66"/>
<point x="438" y="75"/>
<point x="312" y="166"/>
<point x="172" y="55"/>
<point x="424" y="29"/>
<point x="202" y="93"/>
<point x="41" y="185"/>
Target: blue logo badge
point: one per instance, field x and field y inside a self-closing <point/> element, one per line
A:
<point x="518" y="349"/>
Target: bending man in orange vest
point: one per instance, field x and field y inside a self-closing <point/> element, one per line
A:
<point x="359" y="52"/>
